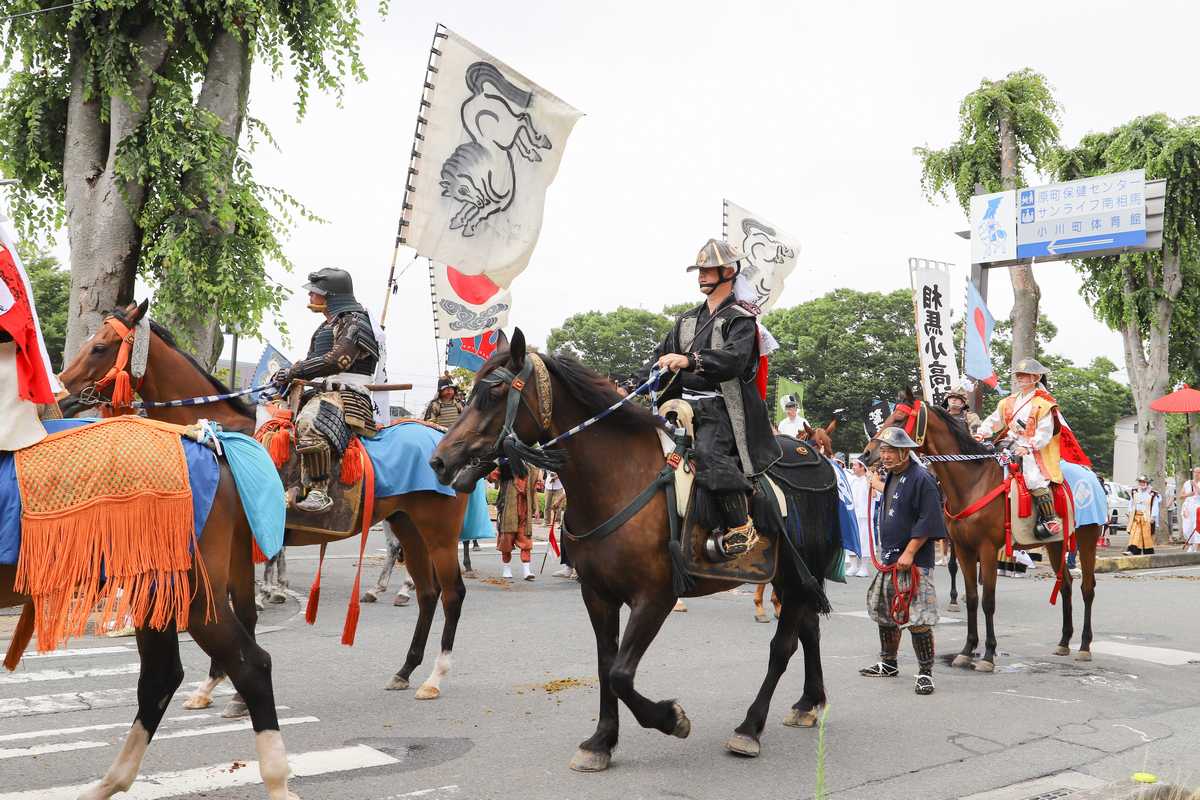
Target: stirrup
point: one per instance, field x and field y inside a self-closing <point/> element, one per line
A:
<point x="732" y="543"/>
<point x="880" y="669"/>
<point x="924" y="684"/>
<point x="315" y="502"/>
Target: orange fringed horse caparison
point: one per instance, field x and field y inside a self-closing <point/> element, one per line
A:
<point x="223" y="555"/>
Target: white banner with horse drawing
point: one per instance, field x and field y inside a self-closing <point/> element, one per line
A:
<point x="935" y="342"/>
<point x="488" y="145"/>
<point x="771" y="255"/>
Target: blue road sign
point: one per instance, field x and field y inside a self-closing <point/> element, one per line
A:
<point x="1106" y="212"/>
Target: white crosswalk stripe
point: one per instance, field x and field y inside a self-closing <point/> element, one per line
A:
<point x="67" y="674"/>
<point x="82" y="701"/>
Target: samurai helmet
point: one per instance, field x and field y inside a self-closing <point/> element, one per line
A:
<point x="895" y="437"/>
<point x="1030" y="366"/>
<point x="334" y="285"/>
<point x="961" y="392"/>
<point x="716" y="253"/>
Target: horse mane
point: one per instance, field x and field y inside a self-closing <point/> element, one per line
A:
<point x="239" y="405"/>
<point x="962" y="437"/>
<point x="593" y="391"/>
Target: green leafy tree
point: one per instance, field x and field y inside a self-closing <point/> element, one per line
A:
<point x="51" y="288"/>
<point x="1004" y="127"/>
<point x="676" y="309"/>
<point x="848" y="348"/>
<point x="1153" y="299"/>
<point x="1092" y="402"/>
<point x="615" y="343"/>
<point x="128" y="120"/>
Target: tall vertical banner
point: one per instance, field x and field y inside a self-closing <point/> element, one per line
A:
<point x="487" y="146"/>
<point x="467" y="305"/>
<point x="771" y="254"/>
<point x="977" y="361"/>
<point x="935" y="343"/>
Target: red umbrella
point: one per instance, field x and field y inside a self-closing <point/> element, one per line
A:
<point x="1180" y="401"/>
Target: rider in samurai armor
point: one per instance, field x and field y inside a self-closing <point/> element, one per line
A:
<point x="713" y="352"/>
<point x="1031" y="418"/>
<point x="342" y="354"/>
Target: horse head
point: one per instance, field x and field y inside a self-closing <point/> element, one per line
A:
<point x="95" y="366"/>
<point x="927" y="425"/>
<point x="492" y="422"/>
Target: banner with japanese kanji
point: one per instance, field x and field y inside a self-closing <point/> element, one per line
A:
<point x="935" y="342"/>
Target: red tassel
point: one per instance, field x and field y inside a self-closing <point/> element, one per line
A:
<point x="368" y="515"/>
<point x="20" y="638"/>
<point x="352" y="463"/>
<point x="256" y="552"/>
<point x="314" y="592"/>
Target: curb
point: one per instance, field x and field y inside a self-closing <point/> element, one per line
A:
<point x="1122" y="563"/>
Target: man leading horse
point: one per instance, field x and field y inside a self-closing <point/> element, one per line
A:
<point x="712" y="352"/>
<point x="343" y="352"/>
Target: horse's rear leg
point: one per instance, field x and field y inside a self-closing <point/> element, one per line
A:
<point x="745" y="739"/>
<point x="1087" y="586"/>
<point x="987" y="566"/>
<point x="444" y="547"/>
<point x="645" y="619"/>
<point x="421" y="571"/>
<point x="595" y="753"/>
<point x="760" y="614"/>
<point x="952" y="565"/>
<point x="160" y="675"/>
<point x="968" y="559"/>
<point x="805" y="712"/>
<point x="241" y="597"/>
<point x="1054" y="552"/>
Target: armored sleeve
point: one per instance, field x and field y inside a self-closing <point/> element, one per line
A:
<point x="735" y="358"/>
<point x="352" y="339"/>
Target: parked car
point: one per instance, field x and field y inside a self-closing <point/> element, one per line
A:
<point x="1118" y="504"/>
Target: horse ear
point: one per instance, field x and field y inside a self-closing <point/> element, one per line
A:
<point x="138" y="311"/>
<point x="909" y="397"/>
<point x="516" y="350"/>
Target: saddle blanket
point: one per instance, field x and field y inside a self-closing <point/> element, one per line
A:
<point x="258" y="486"/>
<point x="400" y="454"/>
<point x="1091" y="503"/>
<point x="202" y="476"/>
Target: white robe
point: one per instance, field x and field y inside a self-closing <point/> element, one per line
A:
<point x="1187" y="513"/>
<point x="1033" y="440"/>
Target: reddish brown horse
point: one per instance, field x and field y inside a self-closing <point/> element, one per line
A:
<point x="603" y="469"/>
<point x="426" y="523"/>
<point x="226" y="554"/>
<point x="978" y="538"/>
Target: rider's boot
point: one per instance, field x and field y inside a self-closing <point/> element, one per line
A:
<point x="315" y="468"/>
<point x="922" y="639"/>
<point x="739" y="535"/>
<point x="1049" y="525"/>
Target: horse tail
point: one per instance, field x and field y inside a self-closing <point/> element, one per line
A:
<point x="482" y="72"/>
<point x="813" y="541"/>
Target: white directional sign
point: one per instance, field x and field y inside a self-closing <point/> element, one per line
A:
<point x="1101" y="213"/>
<point x="993" y="227"/>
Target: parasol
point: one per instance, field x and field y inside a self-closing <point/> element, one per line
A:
<point x="1184" y="400"/>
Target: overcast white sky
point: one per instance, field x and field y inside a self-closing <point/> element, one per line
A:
<point x="804" y="113"/>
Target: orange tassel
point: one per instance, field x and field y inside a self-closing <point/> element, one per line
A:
<point x="280" y="447"/>
<point x="368" y="513"/>
<point x="256" y="552"/>
<point x="352" y="462"/>
<point x="314" y="592"/>
<point x="20" y="638"/>
<point x="122" y="393"/>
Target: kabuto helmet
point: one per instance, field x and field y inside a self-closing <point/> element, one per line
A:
<point x="717" y="253"/>
<point x="1030" y="366"/>
<point x="335" y="286"/>
<point x="896" y="437"/>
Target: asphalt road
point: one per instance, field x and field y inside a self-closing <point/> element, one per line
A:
<point x="521" y="695"/>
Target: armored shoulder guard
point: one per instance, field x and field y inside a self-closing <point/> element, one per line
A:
<point x="355" y="327"/>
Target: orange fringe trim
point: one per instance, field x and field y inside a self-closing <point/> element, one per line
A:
<point x="276" y="435"/>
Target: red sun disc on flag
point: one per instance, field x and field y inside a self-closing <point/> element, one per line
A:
<point x="475" y="289"/>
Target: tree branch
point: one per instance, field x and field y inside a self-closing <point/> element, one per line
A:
<point x="128" y="113"/>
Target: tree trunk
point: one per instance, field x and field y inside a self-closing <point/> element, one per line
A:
<point x="1026" y="293"/>
<point x="223" y="94"/>
<point x="101" y="223"/>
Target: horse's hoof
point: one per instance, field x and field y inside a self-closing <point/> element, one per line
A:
<point x="961" y="661"/>
<point x="985" y="666"/>
<point x="1083" y="655"/>
<point x="427" y="692"/>
<point x="590" y="760"/>
<point x="470" y="574"/>
<point x="743" y="745"/>
<point x="683" y="725"/>
<point x="236" y="708"/>
<point x="396" y="683"/>
<point x="801" y="719"/>
<point x="953" y="607"/>
<point x="761" y="616"/>
<point x="1062" y="650"/>
<point x="197" y="701"/>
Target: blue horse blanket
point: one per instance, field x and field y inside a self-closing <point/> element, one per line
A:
<point x="1091" y="503"/>
<point x="400" y="455"/>
<point x="259" y="487"/>
<point x="202" y="474"/>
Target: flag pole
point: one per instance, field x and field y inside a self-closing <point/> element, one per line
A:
<point x="437" y="348"/>
<point x="391" y="281"/>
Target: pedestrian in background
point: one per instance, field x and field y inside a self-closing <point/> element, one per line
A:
<point x="860" y="486"/>
<point x="446" y="408"/>
<point x="1143" y="514"/>
<point x="1189" y="505"/>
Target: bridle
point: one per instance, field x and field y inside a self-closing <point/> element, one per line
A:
<point x="508" y="444"/>
<point x="121" y="374"/>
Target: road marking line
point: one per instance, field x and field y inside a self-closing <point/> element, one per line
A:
<point x="67" y="674"/>
<point x="225" y="775"/>
<point x="1142" y="734"/>
<point x="1155" y="655"/>
<point x="35" y="705"/>
<point x="1013" y="693"/>
<point x="46" y="733"/>
<point x="44" y="749"/>
<point x="80" y="651"/>
<point x="243" y="725"/>
<point x="449" y="789"/>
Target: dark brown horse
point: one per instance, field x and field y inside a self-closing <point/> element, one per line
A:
<point x="606" y="466"/>
<point x="979" y="537"/>
<point x="226" y="554"/>
<point x="426" y="523"/>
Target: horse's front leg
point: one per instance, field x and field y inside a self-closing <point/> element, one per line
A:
<point x="595" y="753"/>
<point x="760" y="614"/>
<point x="1054" y="552"/>
<point x="646" y="617"/>
<point x="1087" y="567"/>
<point x="160" y="676"/>
<point x="988" y="567"/>
<point x="805" y="712"/>
<point x="420" y="569"/>
<point x="968" y="559"/>
<point x="952" y="565"/>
